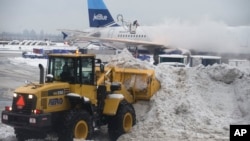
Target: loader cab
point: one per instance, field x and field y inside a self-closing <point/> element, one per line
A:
<point x="74" y="69"/>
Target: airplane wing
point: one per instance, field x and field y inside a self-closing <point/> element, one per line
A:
<point x="72" y="34"/>
<point x="124" y="43"/>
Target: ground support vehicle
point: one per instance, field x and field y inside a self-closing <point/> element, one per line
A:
<point x="77" y="96"/>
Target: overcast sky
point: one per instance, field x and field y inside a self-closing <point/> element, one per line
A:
<point x="50" y="15"/>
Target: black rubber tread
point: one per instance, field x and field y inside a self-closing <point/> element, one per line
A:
<point x="70" y="120"/>
<point x="115" y="125"/>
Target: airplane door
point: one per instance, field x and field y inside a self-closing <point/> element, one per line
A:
<point x="110" y="33"/>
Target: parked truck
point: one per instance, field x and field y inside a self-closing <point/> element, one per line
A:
<point x="205" y="60"/>
<point x="78" y="95"/>
<point x="175" y="60"/>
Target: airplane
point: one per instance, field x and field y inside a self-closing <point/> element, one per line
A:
<point x="120" y="34"/>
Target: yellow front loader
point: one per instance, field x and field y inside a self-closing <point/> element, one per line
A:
<point x="77" y="96"/>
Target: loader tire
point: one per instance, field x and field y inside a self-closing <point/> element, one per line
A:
<point x="123" y="121"/>
<point x="77" y="124"/>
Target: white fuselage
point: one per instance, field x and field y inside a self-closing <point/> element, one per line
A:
<point x="119" y="32"/>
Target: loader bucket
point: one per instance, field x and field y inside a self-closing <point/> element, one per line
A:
<point x="139" y="82"/>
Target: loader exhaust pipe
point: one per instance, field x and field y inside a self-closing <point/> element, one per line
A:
<point x="41" y="73"/>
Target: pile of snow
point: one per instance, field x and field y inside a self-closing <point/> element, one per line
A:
<point x="126" y="60"/>
<point x="197" y="103"/>
<point x="224" y="73"/>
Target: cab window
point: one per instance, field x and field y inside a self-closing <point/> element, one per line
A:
<point x="62" y="69"/>
<point x="87" y="71"/>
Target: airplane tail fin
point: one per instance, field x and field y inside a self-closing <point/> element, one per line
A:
<point x="99" y="15"/>
<point x="64" y="35"/>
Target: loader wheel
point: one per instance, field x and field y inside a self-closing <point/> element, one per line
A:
<point x="77" y="124"/>
<point x="123" y="121"/>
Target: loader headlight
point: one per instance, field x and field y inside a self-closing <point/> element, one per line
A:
<point x="30" y="96"/>
<point x="14" y="94"/>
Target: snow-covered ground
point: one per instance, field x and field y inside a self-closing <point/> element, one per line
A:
<point x="197" y="103"/>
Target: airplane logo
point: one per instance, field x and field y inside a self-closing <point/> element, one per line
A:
<point x="100" y="17"/>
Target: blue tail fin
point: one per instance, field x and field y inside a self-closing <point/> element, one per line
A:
<point x="99" y="15"/>
<point x="64" y="35"/>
